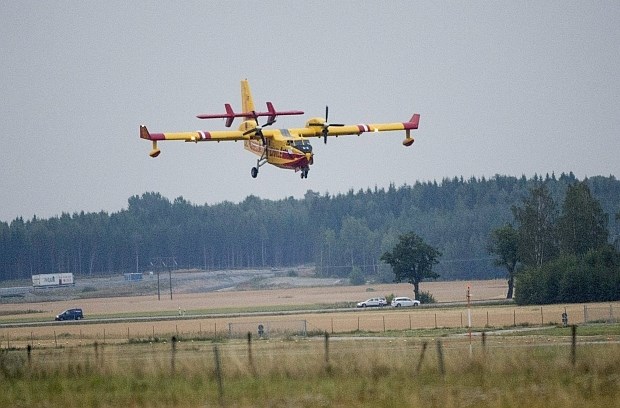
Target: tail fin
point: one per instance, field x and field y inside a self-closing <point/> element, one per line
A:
<point x="247" y="103"/>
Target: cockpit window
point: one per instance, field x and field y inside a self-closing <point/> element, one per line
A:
<point x="295" y="141"/>
<point x="303" y="145"/>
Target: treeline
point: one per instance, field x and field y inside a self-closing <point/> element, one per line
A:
<point x="559" y="253"/>
<point x="339" y="234"/>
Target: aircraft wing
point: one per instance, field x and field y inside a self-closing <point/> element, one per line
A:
<point x="197" y="136"/>
<point x="340" y="130"/>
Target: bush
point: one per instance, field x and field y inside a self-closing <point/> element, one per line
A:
<point x="426" y="297"/>
<point x="89" y="289"/>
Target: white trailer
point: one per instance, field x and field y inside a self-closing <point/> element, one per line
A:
<point x="52" y="279"/>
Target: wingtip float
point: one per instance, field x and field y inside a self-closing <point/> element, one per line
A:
<point x="144" y="134"/>
<point x="283" y="148"/>
<point x="412" y="124"/>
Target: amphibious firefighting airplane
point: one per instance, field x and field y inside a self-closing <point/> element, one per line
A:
<point x="284" y="148"/>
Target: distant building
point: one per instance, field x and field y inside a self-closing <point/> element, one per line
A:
<point x="133" y="276"/>
<point x="52" y="279"/>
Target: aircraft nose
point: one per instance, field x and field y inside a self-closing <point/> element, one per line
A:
<point x="309" y="157"/>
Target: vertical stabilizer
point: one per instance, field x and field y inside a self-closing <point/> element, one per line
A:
<point x="247" y="103"/>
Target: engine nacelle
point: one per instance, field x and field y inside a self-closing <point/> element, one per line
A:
<point x="316" y="122"/>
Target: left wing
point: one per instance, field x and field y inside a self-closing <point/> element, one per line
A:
<point x="197" y="136"/>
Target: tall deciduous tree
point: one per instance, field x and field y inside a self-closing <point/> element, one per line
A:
<point x="412" y="260"/>
<point x="505" y="244"/>
<point x="583" y="224"/>
<point x="537" y="231"/>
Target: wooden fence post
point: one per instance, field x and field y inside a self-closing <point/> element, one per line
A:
<point x="574" y="344"/>
<point x="419" y="366"/>
<point x="326" y="349"/>
<point x="440" y="362"/>
<point x="173" y="355"/>
<point x="218" y="372"/>
<point x="250" y="359"/>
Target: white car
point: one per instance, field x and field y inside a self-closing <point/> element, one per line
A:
<point x="404" y="302"/>
<point x="373" y="302"/>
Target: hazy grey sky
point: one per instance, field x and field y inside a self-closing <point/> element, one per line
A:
<point x="505" y="87"/>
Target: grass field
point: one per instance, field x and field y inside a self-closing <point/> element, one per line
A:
<point x="202" y="315"/>
<point x="384" y="357"/>
<point x="49" y="306"/>
<point x="315" y="372"/>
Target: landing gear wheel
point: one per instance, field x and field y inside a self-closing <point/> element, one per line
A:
<point x="254" y="172"/>
<point x="304" y="173"/>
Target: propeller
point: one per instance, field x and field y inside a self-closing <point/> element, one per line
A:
<point x="258" y="129"/>
<point x="326" y="125"/>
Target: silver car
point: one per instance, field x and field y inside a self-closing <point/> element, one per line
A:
<point x="404" y="302"/>
<point x="373" y="302"/>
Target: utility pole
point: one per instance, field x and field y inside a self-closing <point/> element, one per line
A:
<point x="161" y="262"/>
<point x="170" y="276"/>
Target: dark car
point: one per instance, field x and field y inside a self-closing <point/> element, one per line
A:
<point x="70" y="314"/>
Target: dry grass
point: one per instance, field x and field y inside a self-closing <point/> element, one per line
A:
<point x="311" y="296"/>
<point x="120" y="364"/>
<point x="349" y="372"/>
<point x="216" y="324"/>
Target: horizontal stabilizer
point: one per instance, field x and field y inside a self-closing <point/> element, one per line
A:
<point x="230" y="114"/>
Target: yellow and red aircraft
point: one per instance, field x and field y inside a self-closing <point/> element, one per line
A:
<point x="284" y="148"/>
